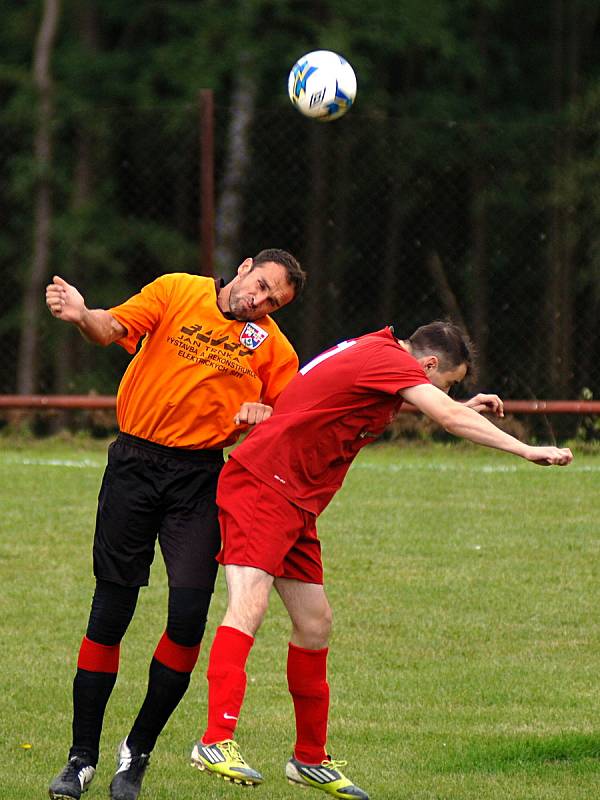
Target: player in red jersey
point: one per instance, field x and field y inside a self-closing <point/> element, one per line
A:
<point x="270" y="493"/>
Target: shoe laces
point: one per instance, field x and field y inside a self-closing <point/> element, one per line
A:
<point x="74" y="767"/>
<point x="232" y="749"/>
<point x="331" y="763"/>
<point x="138" y="764"/>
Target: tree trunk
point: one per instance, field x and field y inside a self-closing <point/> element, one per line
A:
<point x="394" y="223"/>
<point x="445" y="293"/>
<point x="589" y="347"/>
<point x="68" y="348"/>
<point x="229" y="211"/>
<point x="338" y="281"/>
<point x="391" y="259"/>
<point x="478" y="213"/>
<point x="315" y="239"/>
<point x="318" y="162"/>
<point x="480" y="316"/>
<point x="559" y="306"/>
<point x="28" y="361"/>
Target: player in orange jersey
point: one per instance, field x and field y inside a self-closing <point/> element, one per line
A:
<point x="211" y="362"/>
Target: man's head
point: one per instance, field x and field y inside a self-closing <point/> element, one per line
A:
<point x="444" y="351"/>
<point x="269" y="281"/>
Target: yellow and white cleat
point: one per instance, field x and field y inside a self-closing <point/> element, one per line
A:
<point x="225" y="760"/>
<point x="325" y="776"/>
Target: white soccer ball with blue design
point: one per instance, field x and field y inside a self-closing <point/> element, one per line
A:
<point x="322" y="85"/>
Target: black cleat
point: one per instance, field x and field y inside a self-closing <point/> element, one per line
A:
<point x="73" y="781"/>
<point x="127" y="782"/>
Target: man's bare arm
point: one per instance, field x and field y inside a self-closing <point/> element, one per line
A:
<point x="96" y="325"/>
<point x="463" y="421"/>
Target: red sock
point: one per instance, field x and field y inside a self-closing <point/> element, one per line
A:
<point x="95" y="657"/>
<point x="176" y="656"/>
<point x="307" y="682"/>
<point x="226" y="682"/>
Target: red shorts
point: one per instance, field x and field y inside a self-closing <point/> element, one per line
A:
<point x="261" y="528"/>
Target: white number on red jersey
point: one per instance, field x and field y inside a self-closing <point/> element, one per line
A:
<point x="324" y="356"/>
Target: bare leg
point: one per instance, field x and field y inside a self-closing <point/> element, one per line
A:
<point x="248" y="592"/>
<point x="309" y="611"/>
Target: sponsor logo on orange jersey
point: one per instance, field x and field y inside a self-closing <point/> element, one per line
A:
<point x="252" y="336"/>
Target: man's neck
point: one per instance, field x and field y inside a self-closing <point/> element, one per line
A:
<point x="223" y="298"/>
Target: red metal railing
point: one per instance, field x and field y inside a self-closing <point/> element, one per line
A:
<point x="85" y="401"/>
<point x="43" y="401"/>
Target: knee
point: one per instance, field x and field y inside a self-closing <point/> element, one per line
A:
<point x="248" y="591"/>
<point x="246" y="616"/>
<point x="325" y="622"/>
<point x="188" y="611"/>
<point x="112" y="610"/>
<point x="313" y="631"/>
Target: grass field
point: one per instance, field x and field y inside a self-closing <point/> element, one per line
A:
<point x="466" y="653"/>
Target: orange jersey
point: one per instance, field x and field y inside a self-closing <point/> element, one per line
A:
<point x="195" y="367"/>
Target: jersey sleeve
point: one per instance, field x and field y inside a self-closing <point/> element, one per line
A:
<point x="142" y="312"/>
<point x="390" y="369"/>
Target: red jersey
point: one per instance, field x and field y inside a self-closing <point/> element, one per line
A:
<point x="336" y="404"/>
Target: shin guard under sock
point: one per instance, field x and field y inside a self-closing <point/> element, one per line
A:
<point x="307" y="682"/>
<point x="226" y="682"/>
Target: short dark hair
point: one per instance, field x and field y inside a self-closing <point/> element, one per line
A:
<point x="447" y="341"/>
<point x="296" y="276"/>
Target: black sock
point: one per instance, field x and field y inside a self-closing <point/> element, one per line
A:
<point x="91" y="691"/>
<point x="166" y="687"/>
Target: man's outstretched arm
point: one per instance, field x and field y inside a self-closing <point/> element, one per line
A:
<point x="460" y="420"/>
<point x="96" y="325"/>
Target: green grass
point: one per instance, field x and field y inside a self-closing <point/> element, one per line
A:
<point x="466" y="651"/>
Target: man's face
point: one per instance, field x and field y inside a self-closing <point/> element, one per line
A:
<point x="447" y="379"/>
<point x="259" y="291"/>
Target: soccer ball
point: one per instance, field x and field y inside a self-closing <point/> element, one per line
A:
<point x="322" y="85"/>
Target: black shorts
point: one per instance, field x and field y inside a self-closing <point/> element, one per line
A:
<point x="150" y="491"/>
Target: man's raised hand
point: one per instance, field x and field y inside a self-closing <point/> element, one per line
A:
<point x="64" y="301"/>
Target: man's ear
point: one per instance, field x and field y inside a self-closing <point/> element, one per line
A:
<point x="430" y="362"/>
<point x="245" y="267"/>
